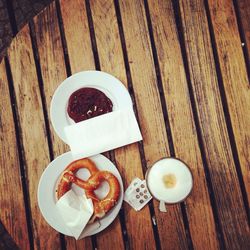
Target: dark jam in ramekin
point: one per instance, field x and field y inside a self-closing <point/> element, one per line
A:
<point x="86" y="103"/>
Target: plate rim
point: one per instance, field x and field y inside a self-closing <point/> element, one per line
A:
<point x="117" y="206"/>
<point x="66" y="80"/>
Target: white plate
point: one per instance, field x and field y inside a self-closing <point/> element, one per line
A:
<point x="108" y="84"/>
<point x="47" y="192"/>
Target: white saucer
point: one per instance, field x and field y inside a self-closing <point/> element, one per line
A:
<point x="47" y="192"/>
<point x="108" y="84"/>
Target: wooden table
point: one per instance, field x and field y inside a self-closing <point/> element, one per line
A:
<point x="184" y="66"/>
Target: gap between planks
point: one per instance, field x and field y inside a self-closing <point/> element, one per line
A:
<point x="196" y="121"/>
<point x="132" y="94"/>
<point x="231" y="134"/>
<point x="165" y="114"/>
<point x="43" y="99"/>
<point x="194" y="14"/>
<point x="20" y="150"/>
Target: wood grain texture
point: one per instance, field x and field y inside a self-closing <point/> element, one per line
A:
<point x="52" y="64"/>
<point x="230" y="207"/>
<point x="244" y="10"/>
<point x="83" y="244"/>
<point x="77" y="35"/>
<point x="53" y="73"/>
<point x="33" y="134"/>
<point x="127" y="158"/>
<point x="199" y="211"/>
<point x="170" y="224"/>
<point x="235" y="79"/>
<point x="12" y="211"/>
<point x="111" y="237"/>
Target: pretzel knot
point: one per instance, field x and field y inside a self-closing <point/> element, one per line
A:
<point x="101" y="207"/>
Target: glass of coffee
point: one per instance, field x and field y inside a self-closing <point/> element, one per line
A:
<point x="169" y="180"/>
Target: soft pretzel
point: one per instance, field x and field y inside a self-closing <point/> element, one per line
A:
<point x="101" y="207"/>
<point x="68" y="175"/>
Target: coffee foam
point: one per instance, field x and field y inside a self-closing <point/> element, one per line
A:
<point x="169" y="166"/>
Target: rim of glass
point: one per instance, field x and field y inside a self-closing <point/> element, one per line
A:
<point x="189" y="169"/>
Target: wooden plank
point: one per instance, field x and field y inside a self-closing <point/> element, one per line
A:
<point x="170" y="224"/>
<point x="218" y="152"/>
<point x="79" y="46"/>
<point x="111" y="237"/>
<point x="235" y="79"/>
<point x="53" y="73"/>
<point x="77" y="35"/>
<point x="244" y="10"/>
<point x="51" y="62"/>
<point x="12" y="212"/>
<point x="34" y="138"/>
<point x="127" y="158"/>
<point x="82" y="244"/>
<point x="199" y="211"/>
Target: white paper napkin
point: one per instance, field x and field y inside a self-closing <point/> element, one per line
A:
<point x="75" y="211"/>
<point x="162" y="207"/>
<point x="103" y="133"/>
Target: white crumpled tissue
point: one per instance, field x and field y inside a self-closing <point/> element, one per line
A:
<point x="76" y="211"/>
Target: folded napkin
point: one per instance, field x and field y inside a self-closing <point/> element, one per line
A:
<point x="75" y="211"/>
<point x="103" y="133"/>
